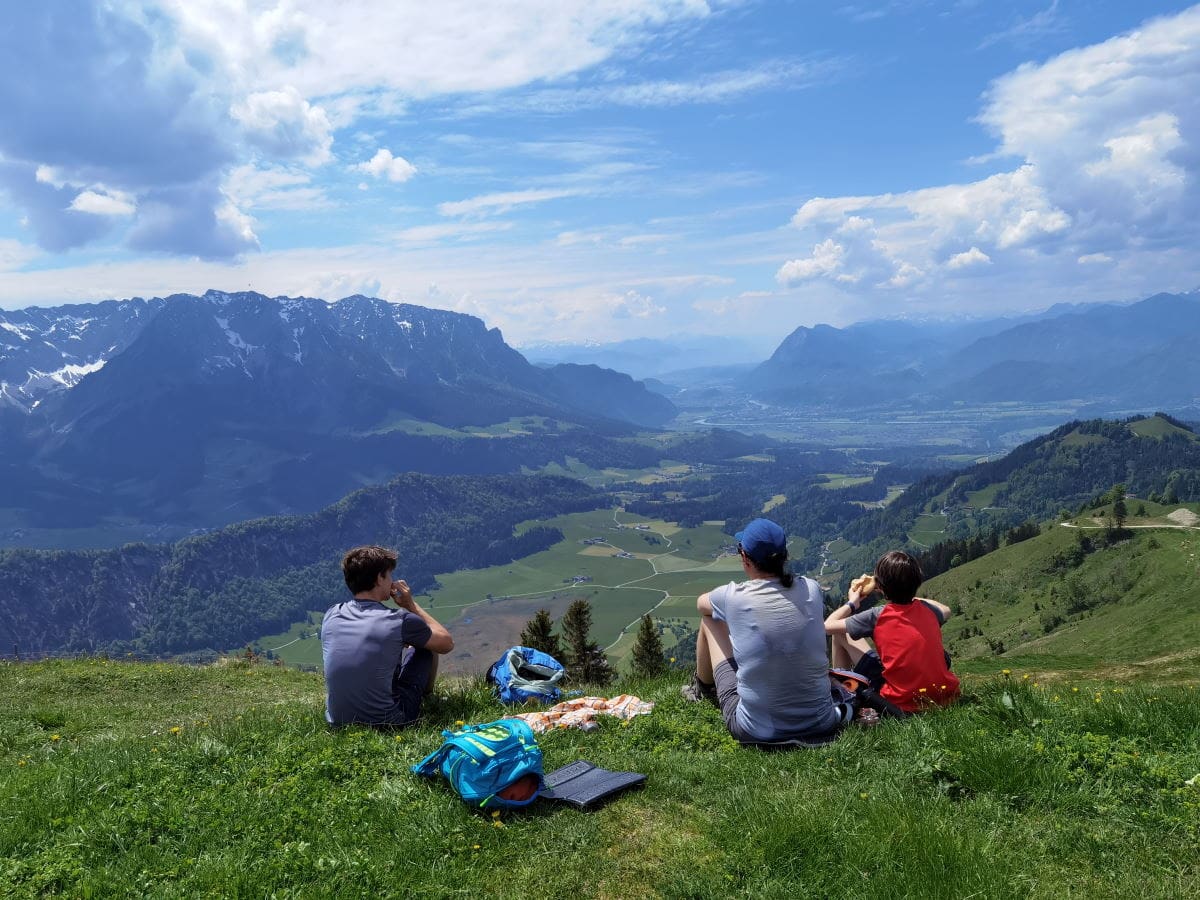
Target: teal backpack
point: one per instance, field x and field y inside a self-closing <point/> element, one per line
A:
<point x="497" y="765"/>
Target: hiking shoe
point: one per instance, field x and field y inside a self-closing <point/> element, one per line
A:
<point x="866" y="717"/>
<point x="868" y="698"/>
<point x="697" y="691"/>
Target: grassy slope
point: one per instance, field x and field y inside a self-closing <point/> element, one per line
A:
<point x="1145" y="588"/>
<point x="120" y="779"/>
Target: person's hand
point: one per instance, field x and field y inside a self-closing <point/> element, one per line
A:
<point x="402" y="594"/>
<point x="861" y="590"/>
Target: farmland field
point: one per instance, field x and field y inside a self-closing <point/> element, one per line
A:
<point x="663" y="566"/>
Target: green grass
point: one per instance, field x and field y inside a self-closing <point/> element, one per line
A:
<point x="149" y="780"/>
<point x="833" y="481"/>
<point x="1120" y="606"/>
<point x="775" y="501"/>
<point x="928" y="530"/>
<point x="1158" y="427"/>
<point x="987" y="496"/>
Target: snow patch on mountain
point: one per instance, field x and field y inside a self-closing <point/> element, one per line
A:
<point x="19" y="332"/>
<point x="235" y="339"/>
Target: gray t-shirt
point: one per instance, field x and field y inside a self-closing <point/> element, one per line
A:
<point x="862" y="624"/>
<point x="362" y="644"/>
<point x="778" y="637"/>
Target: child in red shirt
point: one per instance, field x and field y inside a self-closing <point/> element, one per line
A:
<point x="909" y="666"/>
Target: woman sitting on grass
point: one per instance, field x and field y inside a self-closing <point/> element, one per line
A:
<point x="909" y="667"/>
<point x="760" y="653"/>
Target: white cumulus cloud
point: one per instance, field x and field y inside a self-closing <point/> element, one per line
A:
<point x="384" y="165"/>
<point x="968" y="258"/>
<point x="1107" y="143"/>
<point x="104" y="203"/>
<point x="285" y="125"/>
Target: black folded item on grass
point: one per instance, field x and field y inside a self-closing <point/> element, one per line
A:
<point x="582" y="784"/>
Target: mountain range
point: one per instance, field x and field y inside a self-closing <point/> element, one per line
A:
<point x="208" y="409"/>
<point x="1109" y="356"/>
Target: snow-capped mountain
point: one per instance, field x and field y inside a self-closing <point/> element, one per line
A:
<point x="47" y="350"/>
<point x="207" y="409"/>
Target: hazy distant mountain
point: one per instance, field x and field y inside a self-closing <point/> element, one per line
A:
<point x="257" y="405"/>
<point x="1115" y="355"/>
<point x="649" y="357"/>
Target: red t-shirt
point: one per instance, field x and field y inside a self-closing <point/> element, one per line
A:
<point x="909" y="641"/>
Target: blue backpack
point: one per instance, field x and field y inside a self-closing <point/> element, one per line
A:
<point x="497" y="765"/>
<point x="523" y="673"/>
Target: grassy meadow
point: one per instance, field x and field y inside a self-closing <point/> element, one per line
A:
<point x="1117" y="605"/>
<point x="130" y="779"/>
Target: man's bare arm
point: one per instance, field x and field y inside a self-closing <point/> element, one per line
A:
<point x="440" y="640"/>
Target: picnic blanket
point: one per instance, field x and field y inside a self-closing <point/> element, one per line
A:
<point x="581" y="712"/>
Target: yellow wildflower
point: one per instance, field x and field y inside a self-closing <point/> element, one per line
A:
<point x="474" y="846"/>
<point x="21" y="762"/>
<point x="1025" y="677"/>
<point x="459" y="722"/>
<point x="55" y="738"/>
<point x="1074" y="690"/>
<point x="863" y="796"/>
<point x="175" y="729"/>
<point x="497" y="823"/>
<point x="496" y="814"/>
<point x="1006" y="671"/>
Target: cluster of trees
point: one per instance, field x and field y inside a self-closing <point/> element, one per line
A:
<point x="582" y="657"/>
<point x="584" y="660"/>
<point x="946" y="555"/>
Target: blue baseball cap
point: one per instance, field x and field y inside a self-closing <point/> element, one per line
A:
<point x="762" y="539"/>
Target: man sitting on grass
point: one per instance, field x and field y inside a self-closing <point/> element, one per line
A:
<point x="909" y="667"/>
<point x="760" y="653"/>
<point x="379" y="662"/>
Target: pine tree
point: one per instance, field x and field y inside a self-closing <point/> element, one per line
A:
<point x="538" y="633"/>
<point x="648" y="651"/>
<point x="585" y="660"/>
<point x="1119" y="508"/>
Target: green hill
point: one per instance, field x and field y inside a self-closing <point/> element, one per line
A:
<point x="1066" y="598"/>
<point x="121" y="779"/>
<point x="1155" y="457"/>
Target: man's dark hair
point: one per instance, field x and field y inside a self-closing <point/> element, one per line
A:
<point x="362" y="566"/>
<point x="899" y="575"/>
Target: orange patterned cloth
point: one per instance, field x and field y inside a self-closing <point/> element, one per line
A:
<point x="582" y="711"/>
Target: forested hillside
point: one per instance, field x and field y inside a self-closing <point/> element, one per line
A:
<point x="222" y="589"/>
<point x="1155" y="457"/>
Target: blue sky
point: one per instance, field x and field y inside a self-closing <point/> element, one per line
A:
<point x="601" y="170"/>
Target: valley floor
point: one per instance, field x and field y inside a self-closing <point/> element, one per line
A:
<point x="121" y="778"/>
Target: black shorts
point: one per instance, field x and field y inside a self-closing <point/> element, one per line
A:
<point x="870" y="666"/>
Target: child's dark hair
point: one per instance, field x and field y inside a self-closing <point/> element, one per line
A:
<point x="362" y="567"/>
<point x="899" y="575"/>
